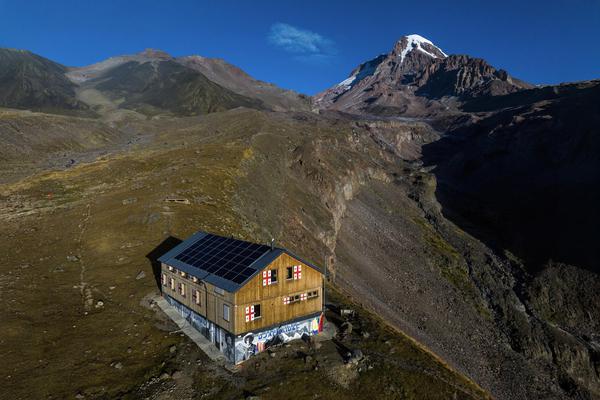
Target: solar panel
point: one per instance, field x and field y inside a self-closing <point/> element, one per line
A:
<point x="226" y="258"/>
<point x="239" y="279"/>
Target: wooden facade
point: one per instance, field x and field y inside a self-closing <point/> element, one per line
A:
<point x="286" y="299"/>
<point x="271" y="297"/>
<point x="212" y="300"/>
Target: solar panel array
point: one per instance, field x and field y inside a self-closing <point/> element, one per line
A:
<point x="227" y="258"/>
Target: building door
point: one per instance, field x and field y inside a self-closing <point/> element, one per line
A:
<point x="218" y="332"/>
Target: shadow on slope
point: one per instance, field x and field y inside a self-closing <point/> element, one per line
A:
<point x="164" y="246"/>
<point x="526" y="179"/>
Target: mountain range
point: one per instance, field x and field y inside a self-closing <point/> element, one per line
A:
<point x="150" y="83"/>
<point x="450" y="198"/>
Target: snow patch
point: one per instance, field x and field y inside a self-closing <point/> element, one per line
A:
<point x="346" y="83"/>
<point x="414" y="42"/>
<point x="366" y="69"/>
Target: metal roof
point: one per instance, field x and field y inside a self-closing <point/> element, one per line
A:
<point x="227" y="263"/>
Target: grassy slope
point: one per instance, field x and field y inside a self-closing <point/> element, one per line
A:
<point x="110" y="214"/>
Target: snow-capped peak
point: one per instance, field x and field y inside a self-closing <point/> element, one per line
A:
<point x="420" y="43"/>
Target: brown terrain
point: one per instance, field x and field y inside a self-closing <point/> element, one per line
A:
<point x="401" y="182"/>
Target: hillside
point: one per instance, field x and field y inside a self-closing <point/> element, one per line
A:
<point x="28" y="81"/>
<point x="533" y="170"/>
<point x="238" y="81"/>
<point x="155" y="87"/>
<point x="188" y="85"/>
<point x="33" y="141"/>
<point x="89" y="318"/>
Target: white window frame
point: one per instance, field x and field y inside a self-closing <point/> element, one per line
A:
<point x="226" y="312"/>
<point x="250" y="312"/>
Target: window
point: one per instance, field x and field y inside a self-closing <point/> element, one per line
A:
<point x="219" y="291"/>
<point x="225" y="312"/>
<point x="300" y="297"/>
<point x="269" y="277"/>
<point x="172" y="283"/>
<point x="182" y="289"/>
<point x="170" y="268"/>
<point x="252" y="312"/>
<point x="197" y="296"/>
<point x="194" y="279"/>
<point x="294" y="272"/>
<point x="291" y="299"/>
<point x="183" y="274"/>
<point x="164" y="279"/>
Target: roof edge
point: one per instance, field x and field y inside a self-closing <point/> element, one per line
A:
<point x="260" y="263"/>
<point x="181" y="246"/>
<point x="310" y="264"/>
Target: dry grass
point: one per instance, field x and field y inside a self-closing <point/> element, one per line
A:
<point x="77" y="237"/>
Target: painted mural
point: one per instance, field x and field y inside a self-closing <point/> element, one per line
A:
<point x="249" y="344"/>
<point x="242" y="347"/>
<point x="223" y="340"/>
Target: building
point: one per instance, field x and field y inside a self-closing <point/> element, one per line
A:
<point x="242" y="296"/>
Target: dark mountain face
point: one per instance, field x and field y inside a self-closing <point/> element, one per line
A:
<point x="28" y="81"/>
<point x="464" y="77"/>
<point x="153" y="87"/>
<point x="528" y="176"/>
<point x="416" y="79"/>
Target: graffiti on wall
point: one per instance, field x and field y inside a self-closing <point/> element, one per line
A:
<point x="251" y="343"/>
<point x="242" y="347"/>
<point x="222" y="339"/>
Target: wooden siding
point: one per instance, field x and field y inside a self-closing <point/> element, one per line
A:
<point x="210" y="300"/>
<point x="270" y="298"/>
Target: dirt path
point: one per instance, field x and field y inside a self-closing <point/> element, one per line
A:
<point x="84" y="289"/>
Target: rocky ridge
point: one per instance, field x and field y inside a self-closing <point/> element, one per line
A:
<point x="416" y="78"/>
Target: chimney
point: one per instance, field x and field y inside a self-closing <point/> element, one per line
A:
<point x="272" y="244"/>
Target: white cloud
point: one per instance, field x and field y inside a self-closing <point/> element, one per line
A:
<point x="306" y="45"/>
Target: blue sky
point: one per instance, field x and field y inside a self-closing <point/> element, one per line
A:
<point x="310" y="45"/>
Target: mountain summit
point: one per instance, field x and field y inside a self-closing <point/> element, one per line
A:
<point x="416" y="78"/>
<point x="407" y="44"/>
